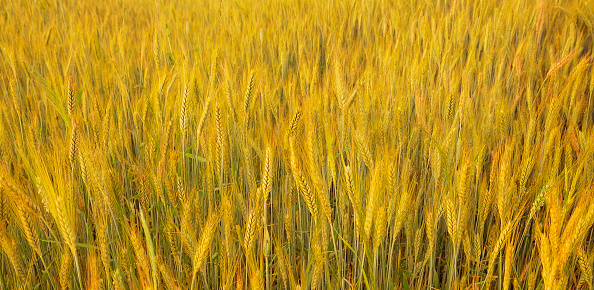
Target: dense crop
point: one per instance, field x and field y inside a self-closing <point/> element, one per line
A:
<point x="296" y="144"/>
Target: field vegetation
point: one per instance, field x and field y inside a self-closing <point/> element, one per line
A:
<point x="296" y="144"/>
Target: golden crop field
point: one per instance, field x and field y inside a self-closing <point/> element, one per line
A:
<point x="298" y="144"/>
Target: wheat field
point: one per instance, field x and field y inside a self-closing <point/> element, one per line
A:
<point x="298" y="144"/>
